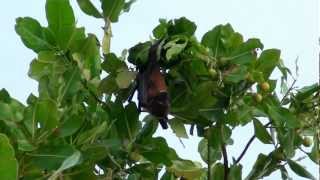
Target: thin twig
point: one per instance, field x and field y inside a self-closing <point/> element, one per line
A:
<point x="247" y="145"/>
<point x="245" y="149"/>
<point x="289" y="90"/>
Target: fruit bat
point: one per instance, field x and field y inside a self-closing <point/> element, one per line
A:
<point x="153" y="96"/>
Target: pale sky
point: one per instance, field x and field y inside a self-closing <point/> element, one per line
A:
<point x="289" y="25"/>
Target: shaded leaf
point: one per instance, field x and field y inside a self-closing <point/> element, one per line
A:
<point x="217" y="171"/>
<point x="299" y="170"/>
<point x="124" y="78"/>
<point x="112" y="9"/>
<point x="8" y="162"/>
<point x="268" y="60"/>
<point x="178" y="128"/>
<point x="112" y="63"/>
<point x="261" y="132"/>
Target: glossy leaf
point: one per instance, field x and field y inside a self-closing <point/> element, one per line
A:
<point x="62" y="24"/>
<point x="88" y="8"/>
<point x="32" y="35"/>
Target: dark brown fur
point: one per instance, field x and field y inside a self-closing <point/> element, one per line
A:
<point x="152" y="90"/>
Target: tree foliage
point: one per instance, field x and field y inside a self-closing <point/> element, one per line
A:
<point x="80" y="125"/>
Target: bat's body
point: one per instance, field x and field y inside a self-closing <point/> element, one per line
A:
<point x="152" y="90"/>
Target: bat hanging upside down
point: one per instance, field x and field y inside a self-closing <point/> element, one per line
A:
<point x="153" y="96"/>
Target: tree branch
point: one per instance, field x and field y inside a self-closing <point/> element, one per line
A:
<point x="209" y="160"/>
<point x="225" y="161"/>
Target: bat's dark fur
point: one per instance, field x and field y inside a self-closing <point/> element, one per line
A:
<point x="152" y="91"/>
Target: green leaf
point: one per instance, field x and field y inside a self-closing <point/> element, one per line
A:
<point x="299" y="170"/>
<point x="307" y="91"/>
<point x="178" y="128"/>
<point x="92" y="134"/>
<point x="260" y="167"/>
<point x="221" y="40"/>
<point x="261" y="132"/>
<point x="236" y="75"/>
<point x="88" y="8"/>
<point x="71" y="84"/>
<point x="88" y="56"/>
<point x="8" y="162"/>
<point x="161" y="30"/>
<point x="283" y="116"/>
<point x="32" y="34"/>
<point x="235" y="172"/>
<point x="139" y="54"/>
<point x="182" y="26"/>
<point x="203" y="151"/>
<point x="127" y="5"/>
<point x="287" y="141"/>
<point x="46" y="113"/>
<point x="71" y="124"/>
<point x="61" y="21"/>
<point x="244" y="54"/>
<point x="149" y="128"/>
<point x="211" y="39"/>
<point x="124" y="78"/>
<point x="50" y="157"/>
<point x="175" y="47"/>
<point x="108" y="85"/>
<point x="268" y="60"/>
<point x="112" y="9"/>
<point x="69" y="162"/>
<point x="112" y="63"/>
<point x="4" y="96"/>
<point x="132" y="119"/>
<point x="157" y="151"/>
<point x="217" y="171"/>
<point x="186" y="169"/>
<point x="5" y="112"/>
